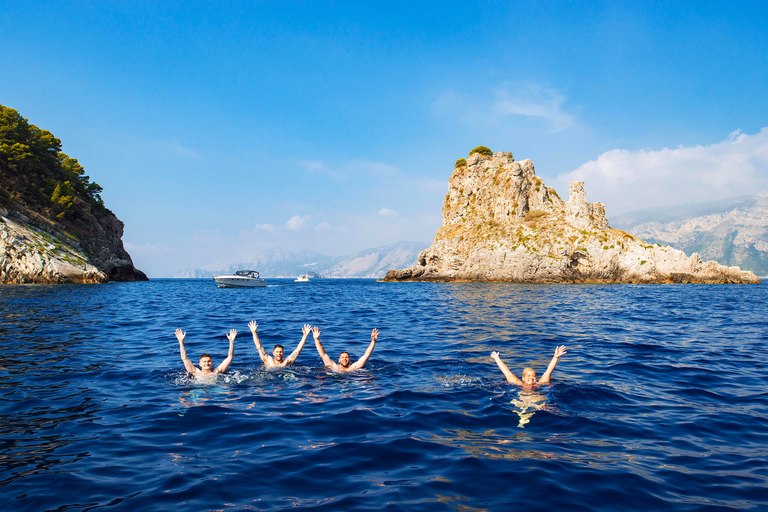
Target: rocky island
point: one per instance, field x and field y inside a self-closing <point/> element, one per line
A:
<point x="54" y="227"/>
<point x="501" y="223"/>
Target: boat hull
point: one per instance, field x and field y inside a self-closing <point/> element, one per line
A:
<point x="239" y="282"/>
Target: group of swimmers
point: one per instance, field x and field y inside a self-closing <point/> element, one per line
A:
<point x="344" y="364"/>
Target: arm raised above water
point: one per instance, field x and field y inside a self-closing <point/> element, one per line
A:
<point x="181" y="335"/>
<point x="305" y="331"/>
<point x="320" y="350"/>
<point x="225" y="364"/>
<point x="252" y="325"/>
<point x="559" y="352"/>
<point x="361" y="362"/>
<point x="505" y="369"/>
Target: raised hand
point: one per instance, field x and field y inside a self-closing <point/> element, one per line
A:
<point x="494" y="355"/>
<point x="232" y="334"/>
<point x="374" y="335"/>
<point x="316" y="333"/>
<point x="306" y="329"/>
<point x="252" y="325"/>
<point x="560" y="351"/>
<point x="180" y="335"/>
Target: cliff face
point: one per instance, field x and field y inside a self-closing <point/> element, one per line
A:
<point x="732" y="233"/>
<point x="501" y="223"/>
<point x="54" y="227"/>
<point x="33" y="249"/>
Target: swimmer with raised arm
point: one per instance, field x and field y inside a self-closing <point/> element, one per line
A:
<point x="206" y="363"/>
<point x="529" y="375"/>
<point x="344" y="362"/>
<point x="276" y="359"/>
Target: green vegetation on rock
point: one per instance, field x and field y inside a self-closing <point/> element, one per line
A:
<point x="483" y="150"/>
<point x="43" y="190"/>
<point x="461" y="162"/>
<point x="34" y="170"/>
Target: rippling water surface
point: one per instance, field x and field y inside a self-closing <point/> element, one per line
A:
<point x="661" y="402"/>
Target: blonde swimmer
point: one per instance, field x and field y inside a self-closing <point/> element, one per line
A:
<point x="529" y="374"/>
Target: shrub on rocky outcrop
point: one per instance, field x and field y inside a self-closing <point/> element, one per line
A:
<point x="42" y="190"/>
<point x="483" y="150"/>
<point x="461" y="162"/>
<point x="501" y="223"/>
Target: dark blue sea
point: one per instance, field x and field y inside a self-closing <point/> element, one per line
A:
<point x="661" y="402"/>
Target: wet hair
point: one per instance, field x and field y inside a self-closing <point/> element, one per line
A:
<point x="276" y="348"/>
<point x="345" y="353"/>
<point x="529" y="370"/>
<point x="206" y="355"/>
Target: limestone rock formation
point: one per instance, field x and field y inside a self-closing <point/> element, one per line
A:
<point x="731" y="232"/>
<point x="501" y="223"/>
<point x="54" y="226"/>
<point x="34" y="249"/>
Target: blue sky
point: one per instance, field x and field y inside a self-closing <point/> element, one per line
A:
<point x="221" y="129"/>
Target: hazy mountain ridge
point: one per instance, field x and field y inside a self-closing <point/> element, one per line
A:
<point x="372" y="263"/>
<point x="731" y="232"/>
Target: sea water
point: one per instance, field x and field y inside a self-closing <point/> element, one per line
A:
<point x="661" y="402"/>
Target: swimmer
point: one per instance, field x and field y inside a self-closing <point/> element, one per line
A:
<point x="206" y="363"/>
<point x="343" y="364"/>
<point x="276" y="359"/>
<point x="529" y="375"/>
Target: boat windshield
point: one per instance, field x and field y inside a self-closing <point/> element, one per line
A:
<point x="248" y="273"/>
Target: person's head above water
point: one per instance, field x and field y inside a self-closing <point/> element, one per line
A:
<point x="529" y="377"/>
<point x="344" y="364"/>
<point x="206" y="362"/>
<point x="278" y="357"/>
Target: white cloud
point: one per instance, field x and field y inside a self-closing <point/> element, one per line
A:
<point x="265" y="227"/>
<point x="533" y="101"/>
<point x="508" y="101"/>
<point x="628" y="180"/>
<point x="387" y="211"/>
<point x="296" y="222"/>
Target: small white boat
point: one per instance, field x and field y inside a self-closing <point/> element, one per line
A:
<point x="240" y="279"/>
<point x="303" y="278"/>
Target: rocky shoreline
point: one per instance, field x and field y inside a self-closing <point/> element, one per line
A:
<point x="502" y="224"/>
<point x="34" y="250"/>
<point x="54" y="226"/>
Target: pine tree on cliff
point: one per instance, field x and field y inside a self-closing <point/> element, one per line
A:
<point x="59" y="219"/>
<point x="35" y="172"/>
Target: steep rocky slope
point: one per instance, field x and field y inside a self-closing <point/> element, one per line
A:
<point x="733" y="232"/>
<point x="54" y="227"/>
<point x="501" y="223"/>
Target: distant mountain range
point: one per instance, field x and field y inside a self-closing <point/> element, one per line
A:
<point x="732" y="232"/>
<point x="372" y="263"/>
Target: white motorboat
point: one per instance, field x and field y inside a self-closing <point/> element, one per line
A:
<point x="303" y="278"/>
<point x="241" y="279"/>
